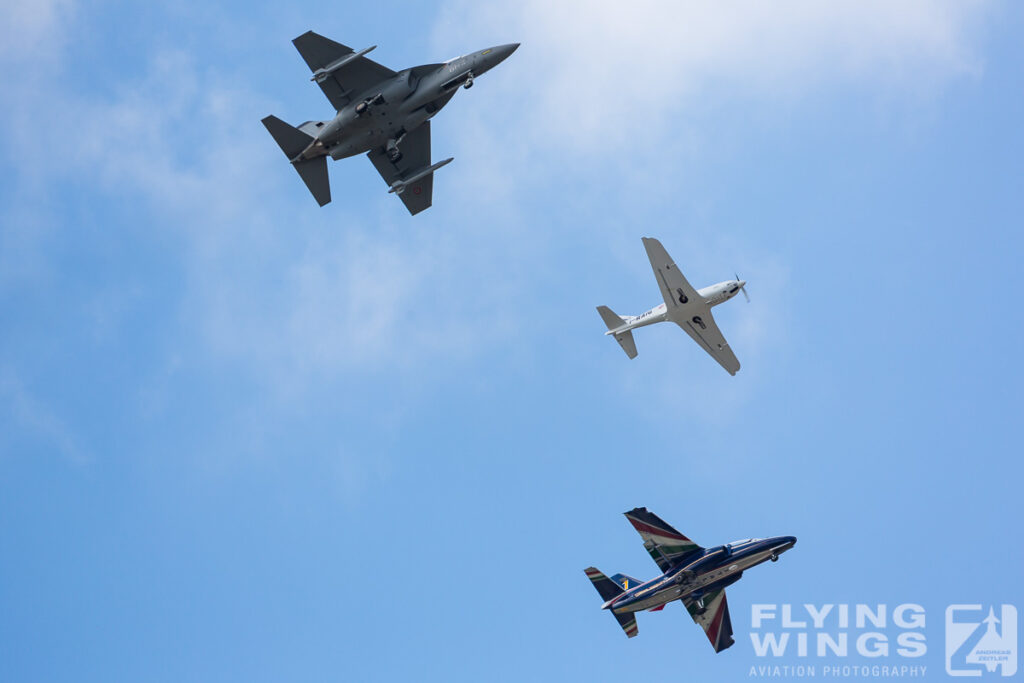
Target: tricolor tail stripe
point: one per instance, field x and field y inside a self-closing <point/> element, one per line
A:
<point x="628" y="623"/>
<point x="607" y="588"/>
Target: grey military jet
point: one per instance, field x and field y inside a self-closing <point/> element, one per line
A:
<point x="380" y="112"/>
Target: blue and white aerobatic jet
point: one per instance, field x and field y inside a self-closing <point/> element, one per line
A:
<point x="697" y="576"/>
<point x="685" y="306"/>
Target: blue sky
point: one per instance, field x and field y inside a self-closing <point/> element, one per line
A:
<point x="245" y="438"/>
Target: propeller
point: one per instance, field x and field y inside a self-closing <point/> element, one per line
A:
<point x="743" y="288"/>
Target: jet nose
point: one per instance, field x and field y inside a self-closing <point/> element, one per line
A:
<point x="494" y="56"/>
<point x="788" y="541"/>
<point x="503" y="51"/>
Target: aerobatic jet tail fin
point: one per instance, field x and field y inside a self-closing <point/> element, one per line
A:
<point x="614" y="322"/>
<point x="609" y="589"/>
<point x="626" y="581"/>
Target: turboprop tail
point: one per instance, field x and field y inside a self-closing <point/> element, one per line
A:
<point x="614" y="322"/>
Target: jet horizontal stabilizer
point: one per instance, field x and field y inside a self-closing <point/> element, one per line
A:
<point x="628" y="624"/>
<point x="290" y="139"/>
<point x="607" y="588"/>
<point x="314" y="174"/>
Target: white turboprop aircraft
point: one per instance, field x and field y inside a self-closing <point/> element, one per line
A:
<point x="685" y="306"/>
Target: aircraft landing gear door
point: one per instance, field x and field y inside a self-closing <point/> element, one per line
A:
<point x="698" y="604"/>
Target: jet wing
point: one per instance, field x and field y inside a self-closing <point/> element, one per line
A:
<point x="350" y="80"/>
<point x="714" y="619"/>
<point x="415" y="148"/>
<point x="687" y="307"/>
<point x="666" y="546"/>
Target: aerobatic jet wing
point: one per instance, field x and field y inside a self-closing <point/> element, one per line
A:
<point x="687" y="308"/>
<point x="350" y="78"/>
<point x="666" y="546"/>
<point x="714" y="619"/>
<point x="412" y="172"/>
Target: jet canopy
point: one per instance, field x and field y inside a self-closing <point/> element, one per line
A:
<point x="744" y="541"/>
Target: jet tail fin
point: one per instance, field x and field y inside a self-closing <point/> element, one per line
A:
<point x="614" y="322"/>
<point x="626" y="581"/>
<point x="609" y="589"/>
<point x="293" y="142"/>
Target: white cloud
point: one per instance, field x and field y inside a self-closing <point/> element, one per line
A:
<point x="25" y="414"/>
<point x="288" y="291"/>
<point x="620" y="105"/>
<point x="29" y="31"/>
<point x="291" y="292"/>
<point x="608" y="73"/>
